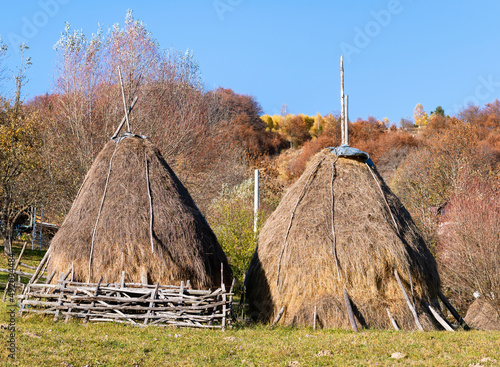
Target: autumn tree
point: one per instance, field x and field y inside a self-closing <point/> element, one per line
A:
<point x="296" y="129"/>
<point x="207" y="137"/>
<point x="450" y="149"/>
<point x="21" y="170"/>
<point x="420" y="116"/>
<point x="317" y="126"/>
<point x="406" y="124"/>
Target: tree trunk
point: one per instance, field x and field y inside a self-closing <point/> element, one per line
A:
<point x="7" y="239"/>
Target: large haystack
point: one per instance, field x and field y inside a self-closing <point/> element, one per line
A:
<point x="306" y="259"/>
<point x="133" y="214"/>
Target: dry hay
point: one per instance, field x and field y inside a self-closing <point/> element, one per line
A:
<point x="295" y="267"/>
<point x="113" y="213"/>
<point x="482" y="315"/>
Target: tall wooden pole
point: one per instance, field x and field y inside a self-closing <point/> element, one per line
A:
<point x="124" y="102"/>
<point x="342" y="100"/>
<point x="41" y="226"/>
<point x="256" y="203"/>
<point x="346" y="119"/>
<point x="33" y="232"/>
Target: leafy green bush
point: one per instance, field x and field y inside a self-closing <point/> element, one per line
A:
<point x="231" y="218"/>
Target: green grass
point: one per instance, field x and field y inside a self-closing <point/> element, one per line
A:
<point x="30" y="257"/>
<point x="42" y="342"/>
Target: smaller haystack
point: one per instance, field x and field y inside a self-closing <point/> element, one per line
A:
<point x="334" y="245"/>
<point x="132" y="214"/>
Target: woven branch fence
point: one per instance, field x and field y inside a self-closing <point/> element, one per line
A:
<point x="133" y="303"/>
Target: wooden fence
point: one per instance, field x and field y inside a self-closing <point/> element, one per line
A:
<point x="133" y="303"/>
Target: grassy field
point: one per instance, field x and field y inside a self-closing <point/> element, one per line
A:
<point x="42" y="342"/>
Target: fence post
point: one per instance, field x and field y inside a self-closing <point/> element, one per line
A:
<point x="256" y="203"/>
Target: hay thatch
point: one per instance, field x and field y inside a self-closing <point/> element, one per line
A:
<point x="298" y="253"/>
<point x="126" y="181"/>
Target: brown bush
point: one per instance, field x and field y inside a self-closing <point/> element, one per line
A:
<point x="469" y="241"/>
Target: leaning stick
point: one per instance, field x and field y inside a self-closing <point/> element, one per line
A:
<point x="349" y="311"/>
<point x="124" y="118"/>
<point x="278" y="316"/>
<point x="315" y="315"/>
<point x="293" y="215"/>
<point x="393" y="322"/>
<point x="40" y="274"/>
<point x="385" y="199"/>
<point x="124" y="101"/>
<point x="49" y="279"/>
<point x="410" y="306"/>
<point x="438" y="317"/>
<point x="454" y="312"/>
<point x="99" y="213"/>
<point x="148" y="187"/>
<point x="39" y="268"/>
<point x="334" y="174"/>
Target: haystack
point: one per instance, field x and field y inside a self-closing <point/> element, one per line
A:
<point x="338" y="241"/>
<point x="132" y="214"/>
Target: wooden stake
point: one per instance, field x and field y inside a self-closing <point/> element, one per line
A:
<point x="408" y="302"/>
<point x="454" y="312"/>
<point x="40" y="275"/>
<point x="70" y="308"/>
<point x="152" y="303"/>
<point x="148" y="188"/>
<point x="393" y="322"/>
<point x="95" y="293"/>
<point x="59" y="303"/>
<point x="256" y="203"/>
<point x="346" y="120"/>
<point x="439" y="318"/>
<point x="350" y="313"/>
<point x="314" y="317"/>
<point x="342" y="101"/>
<point x="224" y="309"/>
<point x="278" y="316"/>
<point x="39" y="268"/>
<point x="49" y="279"/>
<point x="63" y="277"/>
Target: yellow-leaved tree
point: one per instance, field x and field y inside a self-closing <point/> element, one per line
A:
<point x="420" y="116"/>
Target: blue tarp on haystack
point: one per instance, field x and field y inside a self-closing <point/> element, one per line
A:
<point x="347" y="151"/>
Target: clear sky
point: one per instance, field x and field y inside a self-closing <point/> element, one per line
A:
<point x="397" y="52"/>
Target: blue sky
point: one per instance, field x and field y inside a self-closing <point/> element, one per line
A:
<point x="397" y="52"/>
